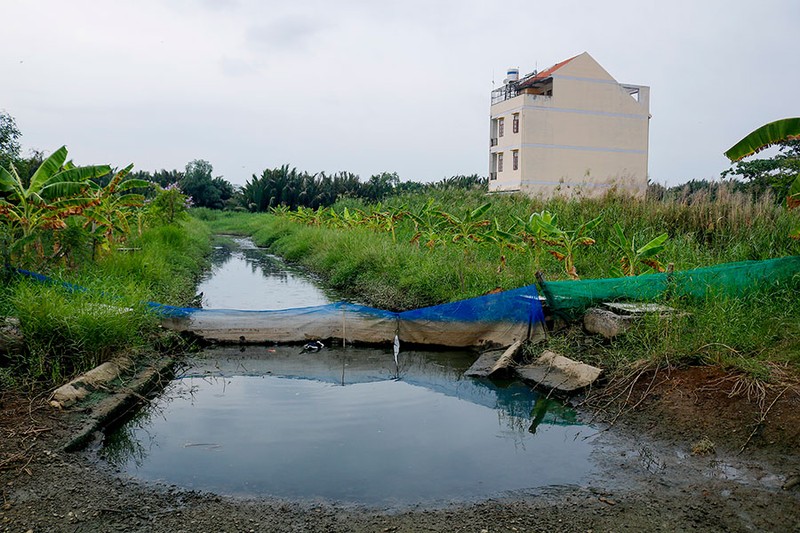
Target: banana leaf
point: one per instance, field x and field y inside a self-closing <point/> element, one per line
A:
<point x="787" y="129"/>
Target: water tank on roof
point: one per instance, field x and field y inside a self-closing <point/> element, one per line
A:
<point x="512" y="74"/>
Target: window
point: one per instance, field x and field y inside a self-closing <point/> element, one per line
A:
<point x="500" y="127"/>
<point x="500" y="162"/>
<point x="515" y="124"/>
<point x="515" y="160"/>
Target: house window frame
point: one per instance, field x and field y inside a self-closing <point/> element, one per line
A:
<point x="514" y="159"/>
<point x="515" y="123"/>
<point x="500" y="126"/>
<point x="499" y="162"/>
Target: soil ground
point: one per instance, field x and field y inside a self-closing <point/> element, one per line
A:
<point x="650" y="478"/>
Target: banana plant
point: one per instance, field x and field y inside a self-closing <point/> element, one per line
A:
<point x="386" y="219"/>
<point x="304" y="215"/>
<point x="503" y="239"/>
<point x="633" y="257"/>
<point x="566" y="242"/>
<point x="469" y="227"/>
<point x="787" y="129"/>
<point x="348" y="218"/>
<point x="534" y="230"/>
<point x="279" y="210"/>
<point x="427" y="224"/>
<point x="56" y="191"/>
<point x="107" y="220"/>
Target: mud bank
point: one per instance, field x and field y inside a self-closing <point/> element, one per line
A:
<point x="649" y="480"/>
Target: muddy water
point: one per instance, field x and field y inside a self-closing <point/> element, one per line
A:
<point x="342" y="424"/>
<point x="243" y="276"/>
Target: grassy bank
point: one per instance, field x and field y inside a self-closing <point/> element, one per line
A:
<point x="67" y="332"/>
<point x="753" y="333"/>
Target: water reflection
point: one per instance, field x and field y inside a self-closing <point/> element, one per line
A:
<point x="337" y="425"/>
<point x="243" y="276"/>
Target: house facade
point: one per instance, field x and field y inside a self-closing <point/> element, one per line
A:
<point x="570" y="130"/>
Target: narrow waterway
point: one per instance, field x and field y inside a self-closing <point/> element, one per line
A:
<point x="242" y="276"/>
<point x="341" y="424"/>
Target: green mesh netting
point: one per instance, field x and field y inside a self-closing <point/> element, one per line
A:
<point x="571" y="298"/>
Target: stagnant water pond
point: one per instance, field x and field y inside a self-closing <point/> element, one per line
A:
<point x="342" y="424"/>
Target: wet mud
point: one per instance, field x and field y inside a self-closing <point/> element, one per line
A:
<point x="647" y="480"/>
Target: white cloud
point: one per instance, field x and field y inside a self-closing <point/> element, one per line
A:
<point x="372" y="86"/>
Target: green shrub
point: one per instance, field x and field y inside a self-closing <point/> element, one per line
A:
<point x="68" y="332"/>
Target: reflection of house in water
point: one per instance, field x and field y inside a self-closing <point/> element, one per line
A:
<point x="570" y="129"/>
<point x="438" y="371"/>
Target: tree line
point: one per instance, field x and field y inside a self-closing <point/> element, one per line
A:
<point x="292" y="188"/>
<point x="288" y="187"/>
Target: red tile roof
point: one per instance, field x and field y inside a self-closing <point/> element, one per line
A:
<point x="544" y="74"/>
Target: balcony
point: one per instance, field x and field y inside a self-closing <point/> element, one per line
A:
<point x="492" y="142"/>
<point x="492" y="176"/>
<point x="541" y="91"/>
<point x="504" y="93"/>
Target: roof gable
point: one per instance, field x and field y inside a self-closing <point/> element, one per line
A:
<point x="581" y="65"/>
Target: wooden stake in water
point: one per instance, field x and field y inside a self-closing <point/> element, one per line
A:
<point x="344" y="330"/>
<point x="396" y="353"/>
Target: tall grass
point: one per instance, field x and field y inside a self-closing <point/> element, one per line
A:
<point x="705" y="228"/>
<point x="165" y="267"/>
<point x="68" y="332"/>
<point x="753" y="334"/>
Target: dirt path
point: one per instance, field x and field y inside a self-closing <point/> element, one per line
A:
<point x="649" y="479"/>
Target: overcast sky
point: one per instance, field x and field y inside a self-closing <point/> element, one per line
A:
<point x="371" y="86"/>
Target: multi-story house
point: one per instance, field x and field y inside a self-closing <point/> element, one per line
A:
<point x="571" y="130"/>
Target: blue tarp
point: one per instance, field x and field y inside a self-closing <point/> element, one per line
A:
<point x="493" y="319"/>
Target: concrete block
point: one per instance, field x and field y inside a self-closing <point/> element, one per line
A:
<point x="555" y="371"/>
<point x="606" y="323"/>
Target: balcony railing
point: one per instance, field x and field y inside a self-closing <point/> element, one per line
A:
<point x="510" y="91"/>
<point x="492" y="142"/>
<point x="492" y="176"/>
<point x="504" y="93"/>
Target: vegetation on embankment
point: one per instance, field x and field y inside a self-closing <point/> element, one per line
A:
<point x="69" y="331"/>
<point x="88" y="227"/>
<point x="384" y="255"/>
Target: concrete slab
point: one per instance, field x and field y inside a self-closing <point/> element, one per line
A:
<point x="557" y="372"/>
<point x="494" y="362"/>
<point x="639" y="308"/>
<point x="606" y="323"/>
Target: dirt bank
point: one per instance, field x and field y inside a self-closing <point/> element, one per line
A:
<point x="649" y="479"/>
